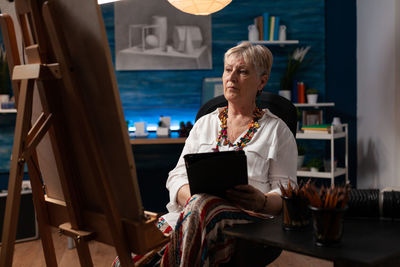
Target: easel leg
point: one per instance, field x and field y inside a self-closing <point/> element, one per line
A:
<point x="16" y="173"/>
<point x="83" y="252"/>
<point x="81" y="239"/>
<point x="44" y="227"/>
<point x="70" y="241"/>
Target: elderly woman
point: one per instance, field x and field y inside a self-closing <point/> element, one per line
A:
<point x="196" y="221"/>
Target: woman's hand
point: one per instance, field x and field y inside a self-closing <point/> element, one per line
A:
<point x="247" y="196"/>
<point x="183" y="195"/>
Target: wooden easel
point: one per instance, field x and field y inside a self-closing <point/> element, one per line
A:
<point x="80" y="183"/>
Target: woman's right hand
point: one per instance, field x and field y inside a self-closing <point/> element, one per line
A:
<point x="183" y="195"/>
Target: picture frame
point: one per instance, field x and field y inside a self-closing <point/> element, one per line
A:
<point x="154" y="35"/>
<point x="311" y="117"/>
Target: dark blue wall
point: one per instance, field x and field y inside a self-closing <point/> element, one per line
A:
<point x="6" y="142"/>
<point x="329" y="27"/>
<point x="341" y="71"/>
<point x="178" y="93"/>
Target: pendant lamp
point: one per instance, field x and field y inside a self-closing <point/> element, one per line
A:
<point x="101" y="2"/>
<point x="199" y="7"/>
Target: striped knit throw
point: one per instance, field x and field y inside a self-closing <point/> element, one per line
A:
<point x="198" y="239"/>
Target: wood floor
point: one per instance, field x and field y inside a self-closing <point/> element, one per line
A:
<point x="30" y="254"/>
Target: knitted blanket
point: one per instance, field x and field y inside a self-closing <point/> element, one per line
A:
<point x="198" y="239"/>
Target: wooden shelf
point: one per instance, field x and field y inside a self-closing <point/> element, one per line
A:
<point x="328" y="175"/>
<point x="161" y="140"/>
<point x="316" y="105"/>
<point x="11" y="110"/>
<point x="320" y="136"/>
<point x="265" y="42"/>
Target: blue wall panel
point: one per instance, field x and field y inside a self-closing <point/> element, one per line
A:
<point x="6" y="142"/>
<point x="341" y="64"/>
<point x="148" y="94"/>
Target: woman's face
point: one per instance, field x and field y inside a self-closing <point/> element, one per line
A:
<point x="241" y="81"/>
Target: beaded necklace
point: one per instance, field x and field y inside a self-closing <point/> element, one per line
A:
<point x="223" y="133"/>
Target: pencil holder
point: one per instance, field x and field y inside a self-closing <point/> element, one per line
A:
<point x="296" y="214"/>
<point x="327" y="225"/>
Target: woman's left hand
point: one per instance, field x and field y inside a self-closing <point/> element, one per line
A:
<point x="247" y="197"/>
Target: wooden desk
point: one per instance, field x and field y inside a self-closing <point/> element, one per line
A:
<point x="364" y="242"/>
<point x="155" y="158"/>
<point x="7" y="117"/>
<point x="153" y="139"/>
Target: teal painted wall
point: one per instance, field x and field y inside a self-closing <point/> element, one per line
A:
<point x="148" y="94"/>
<point x="341" y="70"/>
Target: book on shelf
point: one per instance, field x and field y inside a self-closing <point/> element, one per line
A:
<point x="276" y="28"/>
<point x="265" y="26"/>
<point x="7" y="105"/>
<point x="259" y="22"/>
<point x="317" y="128"/>
<point x="271" y="28"/>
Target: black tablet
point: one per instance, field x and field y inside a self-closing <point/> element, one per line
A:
<point x="215" y="172"/>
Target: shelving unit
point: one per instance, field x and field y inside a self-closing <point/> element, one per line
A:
<point x="329" y="175"/>
<point x="320" y="136"/>
<point x="336" y="132"/>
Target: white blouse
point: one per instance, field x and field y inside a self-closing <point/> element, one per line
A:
<point x="271" y="154"/>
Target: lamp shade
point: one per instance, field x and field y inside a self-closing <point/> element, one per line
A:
<point x="199" y="7"/>
<point x="101" y="2"/>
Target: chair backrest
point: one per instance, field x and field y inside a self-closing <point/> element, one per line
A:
<point x="277" y="104"/>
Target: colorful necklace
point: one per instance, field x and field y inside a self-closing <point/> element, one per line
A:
<point x="223" y="133"/>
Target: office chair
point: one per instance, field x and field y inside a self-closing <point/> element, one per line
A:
<point x="277" y="104"/>
<point x="286" y="111"/>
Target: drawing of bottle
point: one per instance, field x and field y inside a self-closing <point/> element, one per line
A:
<point x="161" y="30"/>
<point x="188" y="42"/>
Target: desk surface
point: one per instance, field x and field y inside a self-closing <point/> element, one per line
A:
<point x="152" y="139"/>
<point x="364" y="242"/>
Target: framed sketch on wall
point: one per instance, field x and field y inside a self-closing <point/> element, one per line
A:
<point x="154" y="35"/>
<point x="311" y="117"/>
